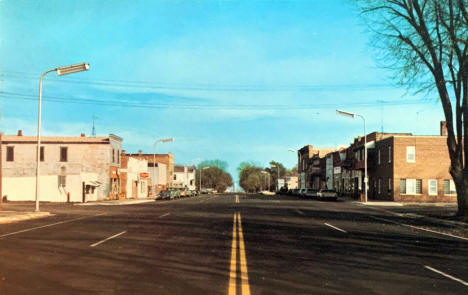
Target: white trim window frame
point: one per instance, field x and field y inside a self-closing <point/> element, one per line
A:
<point x="390" y="154"/>
<point x="411" y="154"/>
<point x="432" y="187"/>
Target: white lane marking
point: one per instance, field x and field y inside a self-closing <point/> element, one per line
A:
<point x="237" y="199"/>
<point x="334" y="227"/>
<point x="300" y="212"/>
<point x="48" y="225"/>
<point x="446" y="275"/>
<point x="166" y="214"/>
<point x="419" y="228"/>
<point x="107" y="239"/>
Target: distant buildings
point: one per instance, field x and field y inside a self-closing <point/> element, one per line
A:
<point x="82" y="169"/>
<point x="401" y="167"/>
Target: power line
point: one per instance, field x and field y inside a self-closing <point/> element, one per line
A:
<point x="148" y="105"/>
<point x="199" y="87"/>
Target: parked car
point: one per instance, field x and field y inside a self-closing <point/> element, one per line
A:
<point x="295" y="192"/>
<point x="184" y="192"/>
<point x="328" y="194"/>
<point x="162" y="195"/>
<point x="175" y="193"/>
<point x="283" y="191"/>
<point x="310" y="193"/>
<point x="301" y="192"/>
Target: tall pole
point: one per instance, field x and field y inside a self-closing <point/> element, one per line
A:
<point x="366" y="180"/>
<point x="154" y="168"/>
<point x="200" y="179"/>
<point x="277" y="179"/>
<point x="38" y="151"/>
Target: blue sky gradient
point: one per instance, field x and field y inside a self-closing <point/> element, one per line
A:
<point x="234" y="80"/>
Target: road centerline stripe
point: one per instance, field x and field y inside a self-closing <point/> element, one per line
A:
<point x="233" y="269"/>
<point x="237" y="199"/>
<point x="243" y="260"/>
<point x="446" y="275"/>
<point x="49" y="225"/>
<point x="238" y="247"/>
<point x="107" y="239"/>
<point x="334" y="227"/>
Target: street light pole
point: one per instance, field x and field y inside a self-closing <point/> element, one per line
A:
<point x="352" y="115"/>
<point x="60" y="71"/>
<point x="170" y="139"/>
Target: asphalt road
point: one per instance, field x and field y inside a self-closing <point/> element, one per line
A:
<point x="282" y="245"/>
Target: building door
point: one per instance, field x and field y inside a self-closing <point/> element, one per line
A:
<point x="134" y="189"/>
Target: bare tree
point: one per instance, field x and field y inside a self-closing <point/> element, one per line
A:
<point x="425" y="42"/>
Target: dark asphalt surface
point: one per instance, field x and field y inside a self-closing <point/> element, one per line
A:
<point x="184" y="247"/>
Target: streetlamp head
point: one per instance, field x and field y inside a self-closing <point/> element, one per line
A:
<point x="291" y="150"/>
<point x="73" y="69"/>
<point x="167" y="139"/>
<point x="205" y="168"/>
<point x="346" y="114"/>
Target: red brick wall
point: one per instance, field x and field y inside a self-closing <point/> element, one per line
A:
<point x="432" y="162"/>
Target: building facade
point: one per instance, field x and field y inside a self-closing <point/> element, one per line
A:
<point x="184" y="177"/>
<point x="72" y="169"/>
<point x="135" y="182"/>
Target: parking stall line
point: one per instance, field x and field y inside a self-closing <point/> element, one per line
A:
<point x="49" y="225"/>
<point x="107" y="239"/>
<point x="164" y="215"/>
<point x="446" y="275"/>
<point x="419" y="228"/>
<point x="334" y="227"/>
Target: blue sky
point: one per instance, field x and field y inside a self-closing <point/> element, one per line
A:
<point x="233" y="80"/>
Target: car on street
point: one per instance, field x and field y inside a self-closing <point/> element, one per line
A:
<point x="310" y="193"/>
<point x="327" y="194"/>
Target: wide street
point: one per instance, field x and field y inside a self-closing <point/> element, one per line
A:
<point x="281" y="245"/>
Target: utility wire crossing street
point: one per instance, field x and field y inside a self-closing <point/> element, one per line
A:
<point x="238" y="245"/>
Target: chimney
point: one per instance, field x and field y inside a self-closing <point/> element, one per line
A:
<point x="443" y="128"/>
<point x="20" y="132"/>
<point x="140" y="152"/>
<point x="82" y="135"/>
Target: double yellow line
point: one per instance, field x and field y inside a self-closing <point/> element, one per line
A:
<point x="237" y="234"/>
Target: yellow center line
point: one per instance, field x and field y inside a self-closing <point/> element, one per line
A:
<point x="244" y="277"/>
<point x="233" y="273"/>
<point x="237" y="199"/>
<point x="243" y="261"/>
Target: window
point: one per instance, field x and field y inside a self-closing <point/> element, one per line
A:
<point x="410" y="186"/>
<point x="389" y="184"/>
<point x="118" y="156"/>
<point x="63" y="177"/>
<point x="410" y="154"/>
<point x="378" y="157"/>
<point x="380" y="186"/>
<point x="432" y="185"/>
<point x="449" y="187"/>
<point x="175" y="176"/>
<point x="113" y="156"/>
<point x="63" y="154"/>
<point x="389" y="154"/>
<point x="10" y="154"/>
<point x="418" y="186"/>
<point x="402" y="186"/>
<point x="41" y="154"/>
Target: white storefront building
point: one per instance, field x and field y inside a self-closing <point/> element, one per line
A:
<point x="74" y="169"/>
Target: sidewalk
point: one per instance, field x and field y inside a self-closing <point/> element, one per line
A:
<point x="116" y="202"/>
<point x="15" y="216"/>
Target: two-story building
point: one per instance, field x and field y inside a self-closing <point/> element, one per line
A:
<point x="184" y="177"/>
<point x="74" y="169"/>
<point x="134" y="177"/>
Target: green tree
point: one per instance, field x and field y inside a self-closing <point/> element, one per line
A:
<point x="273" y="171"/>
<point x="250" y="177"/>
<point x="425" y="42"/>
<point x="215" y="178"/>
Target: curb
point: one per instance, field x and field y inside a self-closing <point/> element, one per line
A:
<point x="23" y="216"/>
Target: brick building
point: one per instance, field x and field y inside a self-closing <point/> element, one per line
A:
<point x="311" y="164"/>
<point x="73" y="168"/>
<point x="160" y="170"/>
